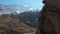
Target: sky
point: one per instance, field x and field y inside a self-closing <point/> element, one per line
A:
<point x="36" y="4"/>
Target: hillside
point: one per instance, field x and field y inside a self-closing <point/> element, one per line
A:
<point x="29" y="18"/>
<point x="12" y="24"/>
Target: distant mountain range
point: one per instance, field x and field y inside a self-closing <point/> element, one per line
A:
<point x="29" y="17"/>
<point x="6" y="9"/>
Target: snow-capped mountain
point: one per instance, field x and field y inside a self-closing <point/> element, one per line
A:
<point x="12" y="8"/>
<point x="6" y="9"/>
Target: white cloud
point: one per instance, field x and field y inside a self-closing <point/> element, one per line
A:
<point x="31" y="9"/>
<point x="25" y="5"/>
<point x="17" y="12"/>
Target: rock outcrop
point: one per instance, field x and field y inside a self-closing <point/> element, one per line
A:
<point x="49" y="20"/>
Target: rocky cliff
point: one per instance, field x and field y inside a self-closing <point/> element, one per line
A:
<point x="49" y="20"/>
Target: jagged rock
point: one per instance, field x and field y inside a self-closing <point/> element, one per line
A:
<point x="49" y="20"/>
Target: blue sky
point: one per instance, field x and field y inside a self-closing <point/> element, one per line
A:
<point x="30" y="3"/>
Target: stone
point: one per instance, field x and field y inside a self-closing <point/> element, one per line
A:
<point x="49" y="20"/>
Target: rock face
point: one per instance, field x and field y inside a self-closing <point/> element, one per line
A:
<point x="52" y="2"/>
<point x="49" y="20"/>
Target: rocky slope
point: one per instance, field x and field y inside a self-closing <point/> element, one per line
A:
<point x="29" y="18"/>
<point x="9" y="23"/>
<point x="5" y="30"/>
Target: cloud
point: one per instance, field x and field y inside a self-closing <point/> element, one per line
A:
<point x="17" y="12"/>
<point x="31" y="9"/>
<point x="25" y="5"/>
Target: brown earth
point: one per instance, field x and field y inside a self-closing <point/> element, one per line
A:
<point x="7" y="25"/>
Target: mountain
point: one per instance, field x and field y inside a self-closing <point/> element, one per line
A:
<point x="30" y="18"/>
<point x="6" y="9"/>
<point x="19" y="23"/>
<point x="25" y="12"/>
